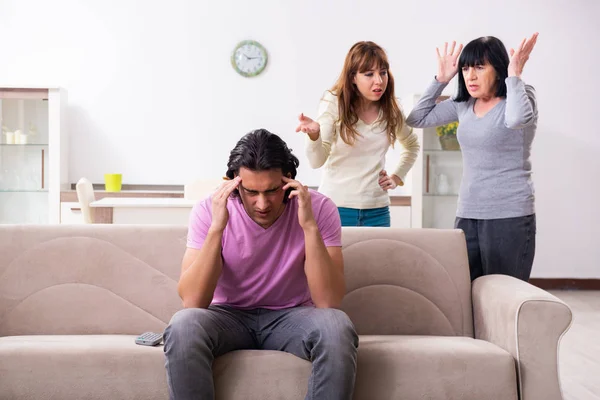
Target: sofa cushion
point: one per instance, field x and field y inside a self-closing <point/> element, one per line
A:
<point x="424" y="367"/>
<point x="80" y="367"/>
<point x="389" y="367"/>
<point x="407" y="282"/>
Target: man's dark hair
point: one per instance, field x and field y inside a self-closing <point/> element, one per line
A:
<point x="487" y="49"/>
<point x="261" y="150"/>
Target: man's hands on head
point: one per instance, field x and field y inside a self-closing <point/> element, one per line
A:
<point x="220" y="215"/>
<point x="305" y="212"/>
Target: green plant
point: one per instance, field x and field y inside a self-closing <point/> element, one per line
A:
<point x="447" y="130"/>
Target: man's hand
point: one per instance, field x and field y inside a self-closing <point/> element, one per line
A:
<point x="305" y="212"/>
<point x="220" y="215"/>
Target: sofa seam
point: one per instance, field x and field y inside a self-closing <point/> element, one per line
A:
<point x="413" y="291"/>
<point x="83" y="284"/>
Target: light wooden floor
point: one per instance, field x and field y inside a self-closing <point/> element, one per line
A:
<point x="579" y="356"/>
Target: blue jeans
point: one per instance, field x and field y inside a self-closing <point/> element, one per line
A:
<point x="500" y="246"/>
<point x="366" y="217"/>
<point x="324" y="336"/>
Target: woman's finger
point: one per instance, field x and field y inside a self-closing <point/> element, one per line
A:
<point x="522" y="45"/>
<point x="530" y="44"/>
<point x="458" y="53"/>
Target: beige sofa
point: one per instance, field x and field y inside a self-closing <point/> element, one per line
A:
<point x="72" y="299"/>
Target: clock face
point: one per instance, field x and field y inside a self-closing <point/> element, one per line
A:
<point x="249" y="58"/>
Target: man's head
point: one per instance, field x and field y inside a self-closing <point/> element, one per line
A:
<point x="261" y="159"/>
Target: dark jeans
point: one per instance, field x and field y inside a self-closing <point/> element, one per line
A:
<point x="500" y="246"/>
<point x="367" y="217"/>
<point x="324" y="336"/>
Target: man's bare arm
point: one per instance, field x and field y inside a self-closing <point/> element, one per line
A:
<point x="201" y="269"/>
<point x="324" y="268"/>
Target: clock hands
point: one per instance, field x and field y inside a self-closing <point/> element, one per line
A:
<point x="249" y="58"/>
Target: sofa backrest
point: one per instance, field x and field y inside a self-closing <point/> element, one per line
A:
<point x="89" y="279"/>
<point x="122" y="279"/>
<point x="407" y="281"/>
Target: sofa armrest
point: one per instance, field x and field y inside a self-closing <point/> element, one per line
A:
<point x="528" y="322"/>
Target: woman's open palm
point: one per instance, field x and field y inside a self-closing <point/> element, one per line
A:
<point x="309" y="126"/>
<point x="448" y="62"/>
<point x="519" y="57"/>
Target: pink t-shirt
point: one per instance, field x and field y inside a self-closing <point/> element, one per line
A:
<point x="264" y="268"/>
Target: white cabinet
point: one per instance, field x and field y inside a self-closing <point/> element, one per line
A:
<point x="33" y="154"/>
<point x="70" y="213"/>
<point x="436" y="178"/>
<point x="400" y="216"/>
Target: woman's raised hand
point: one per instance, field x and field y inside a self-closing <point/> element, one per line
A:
<point x="309" y="126"/>
<point x="519" y="57"/>
<point x="448" y="62"/>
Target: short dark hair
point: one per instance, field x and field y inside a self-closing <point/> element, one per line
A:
<point x="261" y="150"/>
<point x="486" y="49"/>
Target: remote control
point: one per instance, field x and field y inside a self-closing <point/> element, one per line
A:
<point x="149" y="339"/>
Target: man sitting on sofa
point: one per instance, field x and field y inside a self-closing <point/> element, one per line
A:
<point x="263" y="269"/>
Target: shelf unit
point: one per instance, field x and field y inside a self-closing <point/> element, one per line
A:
<point x="433" y="205"/>
<point x="33" y="154"/>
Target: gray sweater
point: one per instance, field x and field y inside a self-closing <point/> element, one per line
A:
<point x="496" y="181"/>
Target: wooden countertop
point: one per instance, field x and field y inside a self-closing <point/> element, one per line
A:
<point x="162" y="191"/>
<point x="143" y="202"/>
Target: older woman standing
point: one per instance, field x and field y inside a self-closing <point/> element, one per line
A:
<point x="497" y="115"/>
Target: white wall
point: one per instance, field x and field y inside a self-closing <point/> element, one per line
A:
<point x="152" y="93"/>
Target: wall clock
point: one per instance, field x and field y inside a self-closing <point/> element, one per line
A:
<point x="249" y="58"/>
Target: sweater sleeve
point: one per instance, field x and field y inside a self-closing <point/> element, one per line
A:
<point x="317" y="151"/>
<point x="410" y="142"/>
<point x="521" y="105"/>
<point x="427" y="113"/>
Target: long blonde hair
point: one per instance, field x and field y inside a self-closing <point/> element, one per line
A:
<point x="365" y="56"/>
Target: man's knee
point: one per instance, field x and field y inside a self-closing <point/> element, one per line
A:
<point x="189" y="322"/>
<point x="334" y="326"/>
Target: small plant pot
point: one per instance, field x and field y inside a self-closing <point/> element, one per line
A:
<point x="449" y="142"/>
<point x="112" y="182"/>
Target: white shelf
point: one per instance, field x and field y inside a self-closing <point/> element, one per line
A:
<point x="24" y="145"/>
<point x="39" y="164"/>
<point x="23" y="190"/>
<point x="429" y="208"/>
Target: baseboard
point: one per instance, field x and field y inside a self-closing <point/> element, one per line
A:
<point x="565" y="283"/>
